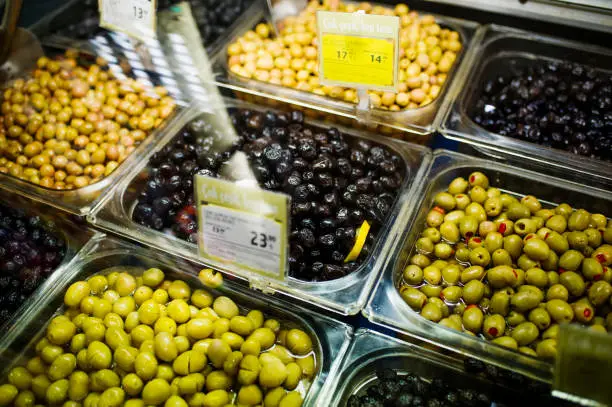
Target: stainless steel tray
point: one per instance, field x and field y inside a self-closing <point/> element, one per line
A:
<point x="497" y="49"/>
<point x="330" y="337"/>
<point x="346" y="295"/>
<point x="386" y="307"/>
<point x="420" y="121"/>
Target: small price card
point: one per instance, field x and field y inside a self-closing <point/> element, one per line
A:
<point x="583" y="366"/>
<point x="358" y="50"/>
<point x="136" y="18"/>
<point x="242" y="226"/>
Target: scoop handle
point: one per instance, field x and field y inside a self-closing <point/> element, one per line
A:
<point x="12" y="10"/>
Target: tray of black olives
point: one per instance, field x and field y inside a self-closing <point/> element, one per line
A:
<point x="495" y="258"/>
<point x="538" y="97"/>
<point x="80" y="20"/>
<point x="382" y="371"/>
<point x="36" y="245"/>
<point x="337" y="179"/>
<point x="124" y="322"/>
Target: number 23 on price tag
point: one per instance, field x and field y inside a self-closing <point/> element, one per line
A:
<point x="242" y="227"/>
<point x="358" y="50"/>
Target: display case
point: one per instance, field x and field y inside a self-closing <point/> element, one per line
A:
<point x="345" y="295"/>
<point x="420" y="120"/>
<point x="386" y="306"/>
<point x="499" y="50"/>
<point x="103" y="255"/>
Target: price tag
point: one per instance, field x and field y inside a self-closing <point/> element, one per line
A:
<point x="136" y="18"/>
<point x="358" y="50"/>
<point x="243" y="226"/>
<point x="583" y="366"/>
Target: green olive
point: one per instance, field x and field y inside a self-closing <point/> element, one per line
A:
<point x="494" y="241"/>
<point x="132" y="384"/>
<point x="525" y="226"/>
<point x="579" y="220"/>
<point x="458" y="186"/>
<point x="473" y="319"/>
<point x="540" y="318"/>
<point x="445" y="201"/>
<point x="462" y="253"/>
<point x="473" y="292"/>
<point x="432" y="312"/>
<point x="501" y="257"/>
<point x="451" y="274"/>
<point x="583" y="311"/>
<point x="502" y="276"/>
<point x="500" y="303"/>
<point x="478" y="194"/>
<point x="524" y="301"/>
<point x="557" y="291"/>
<point x="547" y="349"/>
<point x="560" y="311"/>
<point x="527" y="351"/>
<point x="558" y="223"/>
<point x="299" y="342"/>
<point x="443" y="250"/>
<point x="454" y="216"/>
<point x="513" y="244"/>
<point x="493" y="206"/>
<point x="112" y="397"/>
<point x="472" y="273"/>
<point x="156" y="392"/>
<point x="435" y="217"/>
<point x="62" y="366"/>
<point x="480" y="257"/>
<point x="599" y="292"/>
<point x="573" y="282"/>
<point x="515" y="318"/>
<point x="517" y="211"/>
<point x="413" y="274"/>
<point x="525" y="333"/>
<point x="494" y="326"/>
<point x="452" y="294"/>
<point x="8" y="393"/>
<point x="536" y="277"/>
<point x="468" y="226"/>
<point x="424" y="245"/>
<point x="431" y="290"/>
<point x="594" y="238"/>
<point x="592" y="269"/>
<point x="536" y="249"/>
<point x="432" y="234"/>
<point x="413" y="297"/>
<point x="506" y="341"/>
<point x="57" y="392"/>
<point x="449" y="231"/>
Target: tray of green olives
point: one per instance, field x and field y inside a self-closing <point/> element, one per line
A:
<point x="74" y="123"/>
<point x="381" y="370"/>
<point x="286" y="68"/>
<point x="495" y="258"/>
<point x="155" y="204"/>
<point x="129" y="325"/>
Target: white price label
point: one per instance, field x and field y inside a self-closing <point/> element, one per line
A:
<point x="133" y="17"/>
<point x="242" y="238"/>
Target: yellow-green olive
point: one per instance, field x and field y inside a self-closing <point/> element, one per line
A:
<point x="560" y="311"/>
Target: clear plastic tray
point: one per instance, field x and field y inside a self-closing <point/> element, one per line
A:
<point x="420" y="120"/>
<point x="47" y="26"/>
<point x="346" y="295"/>
<point x="386" y="307"/>
<point x="371" y="351"/>
<point x="330" y="337"/>
<point x="72" y="230"/>
<point x="497" y="49"/>
<point x="82" y="200"/>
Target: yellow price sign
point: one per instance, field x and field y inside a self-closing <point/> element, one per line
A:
<point x="365" y="61"/>
<point x="358" y="50"/>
